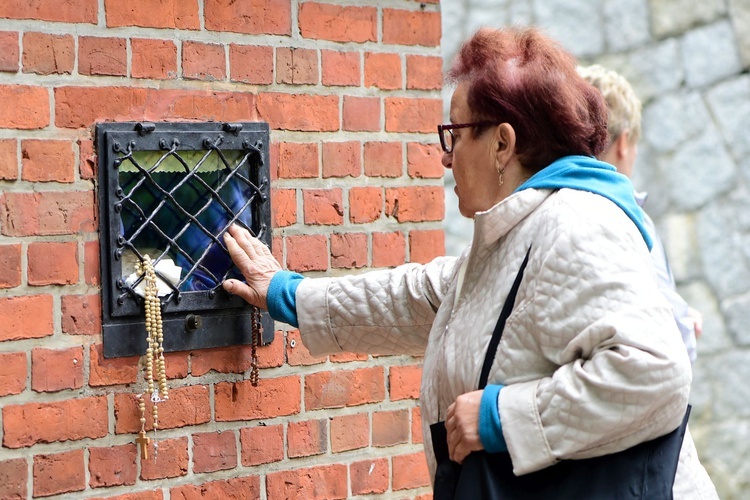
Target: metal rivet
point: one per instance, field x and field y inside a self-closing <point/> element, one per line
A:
<point x="292" y="343"/>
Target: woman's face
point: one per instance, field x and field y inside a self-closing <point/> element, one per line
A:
<point x="473" y="160"/>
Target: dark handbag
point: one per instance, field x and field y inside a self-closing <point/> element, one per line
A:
<point x="645" y="471"/>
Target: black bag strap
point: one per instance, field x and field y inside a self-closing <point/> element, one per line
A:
<point x="500" y="326"/>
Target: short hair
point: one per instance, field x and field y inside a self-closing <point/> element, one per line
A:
<point x="522" y="77"/>
<point x="623" y="105"/>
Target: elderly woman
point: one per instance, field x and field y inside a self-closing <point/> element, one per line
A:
<point x="590" y="362"/>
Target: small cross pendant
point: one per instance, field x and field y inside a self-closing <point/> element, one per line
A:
<point x="143" y="441"/>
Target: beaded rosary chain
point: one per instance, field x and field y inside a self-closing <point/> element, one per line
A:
<point x="256" y="336"/>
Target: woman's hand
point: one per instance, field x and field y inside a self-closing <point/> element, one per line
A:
<point x="255" y="262"/>
<point x="462" y="424"/>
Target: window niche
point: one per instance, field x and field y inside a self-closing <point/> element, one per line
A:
<point x="170" y="191"/>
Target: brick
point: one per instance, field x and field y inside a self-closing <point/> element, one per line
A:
<point x="299" y="355"/>
<point x="113" y="466"/>
<point x="9" y="51"/>
<point x="236" y="488"/>
<point x="59" y="473"/>
<point x="44" y="270"/>
<point x="272" y="355"/>
<point x="412" y="115"/>
<point x="284" y="207"/>
<point x="8" y="160"/>
<point x="402" y="27"/>
<point x="102" y="56"/>
<point x="282" y="111"/>
<point x="141" y="495"/>
<point x="349" y="250"/>
<point x="344" y="388"/>
<point x="87" y="159"/>
<point x="369" y="476"/>
<point x="111" y="371"/>
<point x="307" y="253"/>
<point x="338" y="23"/>
<point x="26" y="317"/>
<point x="13" y="479"/>
<point x="365" y="204"/>
<point x="55" y="370"/>
<point x="298" y="160"/>
<point x="342" y="159"/>
<point x="424" y="72"/>
<point x="155" y="59"/>
<point x="296" y="66"/>
<point x="307" y="438"/>
<point x="186" y="406"/>
<point x="315" y="483"/>
<point x="81" y="314"/>
<point x="234" y="359"/>
<point x="262" y="444"/>
<point x="269" y="17"/>
<point x="361" y="114"/>
<point x="177" y="365"/>
<point x="68" y="420"/>
<point x="415" y="203"/>
<point x="323" y="206"/>
<point x="347" y="357"/>
<point x="251" y="64"/>
<point x="47" y="213"/>
<point x="410" y="471"/>
<point x="10" y="266"/>
<point x="273" y="397"/>
<point x="47" y="54"/>
<point x="416" y="425"/>
<point x="47" y="161"/>
<point x="404" y="381"/>
<point x="424" y="160"/>
<point x="388" y="249"/>
<point x="203" y="61"/>
<point x="425" y="245"/>
<point x="65" y="11"/>
<point x="180" y="14"/>
<point x="91" y="269"/>
<point x="340" y="68"/>
<point x="171" y="461"/>
<point x="383" y="71"/>
<point x="277" y="248"/>
<point x="384" y="159"/>
<point x="24" y="107"/>
<point x="214" y="451"/>
<point x="12" y="374"/>
<point x="390" y="428"/>
<point x="350" y="432"/>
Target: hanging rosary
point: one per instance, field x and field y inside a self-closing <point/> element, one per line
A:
<point x="257" y="328"/>
<point x="154" y="359"/>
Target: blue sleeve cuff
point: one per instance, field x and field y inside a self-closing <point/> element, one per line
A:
<point x="490" y="427"/>
<point x="281" y="297"/>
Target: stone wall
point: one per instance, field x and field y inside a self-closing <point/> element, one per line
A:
<point x="688" y="61"/>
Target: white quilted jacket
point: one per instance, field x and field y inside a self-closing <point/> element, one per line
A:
<point x="591" y="358"/>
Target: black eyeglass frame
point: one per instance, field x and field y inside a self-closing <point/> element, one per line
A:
<point x="450" y="127"/>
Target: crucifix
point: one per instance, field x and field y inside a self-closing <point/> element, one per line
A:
<point x="143" y="441"/>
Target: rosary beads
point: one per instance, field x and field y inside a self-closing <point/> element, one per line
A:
<point x="257" y="334"/>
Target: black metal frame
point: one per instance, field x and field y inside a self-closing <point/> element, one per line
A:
<point x="191" y="319"/>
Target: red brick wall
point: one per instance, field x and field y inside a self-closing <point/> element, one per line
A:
<point x="352" y="96"/>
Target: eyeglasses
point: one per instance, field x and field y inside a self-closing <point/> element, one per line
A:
<point x="446" y="132"/>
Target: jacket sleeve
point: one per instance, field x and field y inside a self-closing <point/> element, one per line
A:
<point x="378" y="312"/>
<point x="622" y="374"/>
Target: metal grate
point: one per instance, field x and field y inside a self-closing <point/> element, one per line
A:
<point x="170" y="191"/>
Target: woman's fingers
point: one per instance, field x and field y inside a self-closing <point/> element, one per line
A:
<point x="256" y="263"/>
<point x="462" y="426"/>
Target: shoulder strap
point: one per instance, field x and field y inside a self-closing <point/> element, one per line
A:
<point x="498" y="332"/>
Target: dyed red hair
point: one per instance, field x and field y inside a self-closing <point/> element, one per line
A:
<point x="522" y="77"/>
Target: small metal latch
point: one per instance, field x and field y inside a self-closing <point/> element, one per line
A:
<point x="193" y="322"/>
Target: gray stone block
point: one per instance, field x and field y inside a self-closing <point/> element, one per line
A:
<point x="737" y="312"/>
<point x="626" y="24"/>
<point x="739" y="12"/>
<point x="670" y="17"/>
<point x="730" y="106"/>
<point x="670" y="121"/>
<point x="710" y="54"/>
<point x="577" y="24"/>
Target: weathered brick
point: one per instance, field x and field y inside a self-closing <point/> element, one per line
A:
<point x="342" y="159"/>
<point x="323" y="206"/>
<point x="86" y="159"/>
<point x="412" y="115"/>
<point x="425" y="245"/>
<point x="384" y="159"/>
<point x="370" y="476"/>
<point x="361" y="114"/>
<point x="272" y="355"/>
<point x="32" y="423"/>
<point x="347" y="357"/>
<point x="404" y="381"/>
<point x="186" y="406"/>
<point x="141" y="495"/>
<point x="156" y="59"/>
<point x="235" y="488"/>
<point x="214" y="451"/>
<point x="316" y="483"/>
<point x="348" y="250"/>
<point x="410" y="471"/>
<point x="26" y="317"/>
<point x="24" y="107"/>
<point x="262" y="444"/>
<point x="282" y="111"/>
<point x="338" y="23"/>
<point x="47" y="54"/>
<point x="65" y="11"/>
<point x="390" y="428"/>
<point x="203" y="61"/>
<point x="350" y="432"/>
<point x="388" y="249"/>
<point x="180" y="14"/>
<point x="344" y="388"/>
<point x="102" y="56"/>
<point x="424" y="72"/>
<point x="383" y="70"/>
<point x="55" y="370"/>
<point x="340" y="68"/>
<point x="111" y="371"/>
<point x="415" y="203"/>
<point x="8" y="159"/>
<point x="14" y="475"/>
<point x="112" y="466"/>
<point x="284" y="207"/>
<point x="299" y="355"/>
<point x="235" y="359"/>
<point x="62" y="270"/>
<point x="171" y="461"/>
<point x="424" y="160"/>
<point x="270" y="17"/>
<point x="403" y="27"/>
<point x="10" y="266"/>
<point x="81" y="314"/>
<point x="59" y="473"/>
<point x="307" y="253"/>
<point x="416" y="425"/>
<point x="91" y="269"/>
<point x="251" y="64"/>
<point x="47" y="213"/>
<point x="307" y="438"/>
<point x="47" y="161"/>
<point x="298" y="160"/>
<point x="273" y="397"/>
<point x="12" y="375"/>
<point x="365" y="204"/>
<point x="296" y="66"/>
<point x="9" y="51"/>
